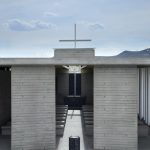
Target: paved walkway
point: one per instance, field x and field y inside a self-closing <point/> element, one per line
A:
<point x="74" y="128"/>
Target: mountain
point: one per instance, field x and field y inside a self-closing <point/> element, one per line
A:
<point x="142" y="53"/>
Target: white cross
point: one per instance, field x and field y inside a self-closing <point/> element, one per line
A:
<point x="75" y="40"/>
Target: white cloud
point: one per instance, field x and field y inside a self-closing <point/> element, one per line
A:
<point x="93" y="26"/>
<point x="96" y="26"/>
<point x="50" y="14"/>
<point x="19" y="25"/>
<point x="43" y="25"/>
<point x="22" y="25"/>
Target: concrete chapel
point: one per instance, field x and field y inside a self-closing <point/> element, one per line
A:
<point x="106" y="99"/>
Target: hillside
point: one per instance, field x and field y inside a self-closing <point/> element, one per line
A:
<point x="142" y="53"/>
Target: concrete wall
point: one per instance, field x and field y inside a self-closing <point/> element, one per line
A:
<point x="33" y="108"/>
<point x="5" y="96"/>
<point x="78" y="53"/>
<point x="115" y="108"/>
<point x="87" y="85"/>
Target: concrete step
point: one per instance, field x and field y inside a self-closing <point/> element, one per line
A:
<point x="61" y="115"/>
<point x="60" y="130"/>
<point x="87" y="114"/>
<point x="88" y="118"/>
<point x="88" y="122"/>
<point x="87" y="110"/>
<point x="60" y="122"/>
<point x="60" y="118"/>
<point x="61" y="111"/>
<point x="62" y="106"/>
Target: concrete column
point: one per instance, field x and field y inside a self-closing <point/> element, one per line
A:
<point x="33" y="108"/>
<point x="115" y="108"/>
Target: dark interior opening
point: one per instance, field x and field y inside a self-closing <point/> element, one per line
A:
<point x="71" y="84"/>
<point x="74" y="88"/>
<point x="78" y="84"/>
<point x="74" y="105"/>
<point x="5" y="107"/>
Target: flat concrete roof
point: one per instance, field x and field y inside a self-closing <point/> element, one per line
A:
<point x="76" y="57"/>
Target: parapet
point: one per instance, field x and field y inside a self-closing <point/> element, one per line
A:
<point x="74" y="53"/>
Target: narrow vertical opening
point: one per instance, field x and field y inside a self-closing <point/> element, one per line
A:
<point x="5" y="107"/>
<point x="71" y="84"/>
<point x="74" y="105"/>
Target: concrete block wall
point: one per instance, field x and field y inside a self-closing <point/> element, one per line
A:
<point x="115" y="108"/>
<point x="5" y="96"/>
<point x="33" y="108"/>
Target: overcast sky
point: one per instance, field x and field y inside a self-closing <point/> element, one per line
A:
<point x="33" y="28"/>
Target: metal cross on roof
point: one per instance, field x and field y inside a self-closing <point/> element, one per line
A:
<point x="75" y="40"/>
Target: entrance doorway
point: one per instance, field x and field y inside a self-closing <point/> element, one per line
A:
<point x="74" y="105"/>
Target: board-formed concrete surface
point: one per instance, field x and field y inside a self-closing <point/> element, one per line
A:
<point x="115" y="108"/>
<point x="33" y="108"/>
